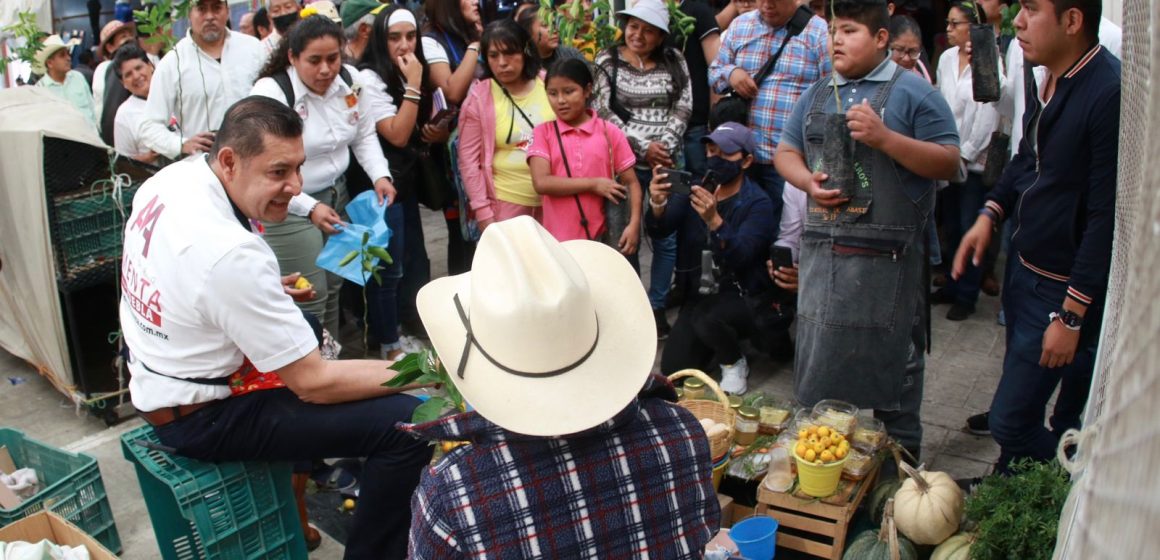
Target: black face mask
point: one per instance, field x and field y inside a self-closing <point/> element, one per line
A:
<point x="724" y="169"/>
<point x="283" y="22"/>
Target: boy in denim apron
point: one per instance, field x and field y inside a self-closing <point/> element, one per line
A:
<point x="861" y="329"/>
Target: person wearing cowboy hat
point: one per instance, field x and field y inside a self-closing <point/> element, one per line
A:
<point x="108" y="93"/>
<point x="574" y="448"/>
<point x="54" y="62"/>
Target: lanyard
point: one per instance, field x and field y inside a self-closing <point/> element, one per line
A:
<point x="515" y="107"/>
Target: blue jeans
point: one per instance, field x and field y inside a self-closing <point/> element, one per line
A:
<point x="416" y="263"/>
<point x="961" y="204"/>
<point x="382" y="299"/>
<point x="770" y="181"/>
<point x="695" y="159"/>
<point x="275" y="425"/>
<point x="664" y="259"/>
<point x="1017" y="409"/>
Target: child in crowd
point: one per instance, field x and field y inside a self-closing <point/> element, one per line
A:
<point x="861" y="329"/>
<point x="574" y="158"/>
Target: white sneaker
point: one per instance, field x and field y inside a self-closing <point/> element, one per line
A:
<point x="733" y="377"/>
<point x="411" y="345"/>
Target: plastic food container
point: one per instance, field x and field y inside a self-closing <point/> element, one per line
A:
<point x="801" y="419"/>
<point x="773" y="417"/>
<point x="870" y="433"/>
<point x="838" y="415"/>
<point x="859" y="462"/>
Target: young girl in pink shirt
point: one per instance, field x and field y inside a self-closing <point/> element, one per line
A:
<point x="573" y="161"/>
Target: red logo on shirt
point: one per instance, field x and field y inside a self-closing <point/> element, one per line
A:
<point x="142" y="295"/>
<point x="146" y="221"/>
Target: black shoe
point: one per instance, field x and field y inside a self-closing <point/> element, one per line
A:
<point x="781" y="347"/>
<point x="960" y="312"/>
<point x="663" y="327"/>
<point x="978" y="424"/>
<point x="939" y="297"/>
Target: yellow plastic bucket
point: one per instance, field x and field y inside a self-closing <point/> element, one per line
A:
<point x="719" y="472"/>
<point x="818" y="481"/>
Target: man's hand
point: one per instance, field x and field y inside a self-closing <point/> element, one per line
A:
<point x="785" y="277"/>
<point x="385" y="190"/>
<point x="297" y="294"/>
<point x="630" y="239"/>
<point x="149" y="157"/>
<point x="658" y="154"/>
<point x="1059" y="344"/>
<point x="826" y="198"/>
<point x="866" y="126"/>
<point x="325" y="218"/>
<point x="705" y="204"/>
<point x="743" y="83"/>
<point x="973" y="246"/>
<point x="201" y="142"/>
<point x="659" y="189"/>
<point x="607" y="188"/>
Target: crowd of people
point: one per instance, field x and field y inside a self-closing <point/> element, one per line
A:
<point x="714" y="148"/>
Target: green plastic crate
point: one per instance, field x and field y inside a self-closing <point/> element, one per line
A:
<point x="71" y="487"/>
<point x="210" y="511"/>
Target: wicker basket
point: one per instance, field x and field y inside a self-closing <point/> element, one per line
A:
<point x="718" y="411"/>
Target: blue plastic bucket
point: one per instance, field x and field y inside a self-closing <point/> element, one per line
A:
<point x="755" y="537"/>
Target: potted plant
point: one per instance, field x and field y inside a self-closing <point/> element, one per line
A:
<point x="984" y="58"/>
<point x="837" y="144"/>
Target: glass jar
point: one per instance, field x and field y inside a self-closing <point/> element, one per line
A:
<point x="745" y="425"/>
<point x="838" y="415"/>
<point x="680" y="394"/>
<point x="773" y="417"/>
<point x="694" y="389"/>
<point x="735" y="402"/>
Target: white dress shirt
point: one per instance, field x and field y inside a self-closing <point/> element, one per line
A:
<point x="195" y="89"/>
<point x="332" y="123"/>
<point x="125" y="126"/>
<point x="379" y="104"/>
<point x="976" y="121"/>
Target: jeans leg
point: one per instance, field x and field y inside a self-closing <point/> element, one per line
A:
<point x="905" y="424"/>
<point x="416" y="264"/>
<point x="683" y="349"/>
<point x="963" y="209"/>
<point x="382" y="299"/>
<point x="275" y="425"/>
<point x="695" y="159"/>
<point x="664" y="259"/>
<point x="767" y="177"/>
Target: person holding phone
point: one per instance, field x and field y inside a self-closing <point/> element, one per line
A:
<point x="738" y="220"/>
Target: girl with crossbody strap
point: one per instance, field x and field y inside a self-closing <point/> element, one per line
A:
<point x="573" y="161"/>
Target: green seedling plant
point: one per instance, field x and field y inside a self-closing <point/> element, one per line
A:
<point x="425" y="368"/>
<point x="1007" y="27"/>
<point x="158" y="18"/>
<point x="33" y="39"/>
<point x="367" y="254"/>
<point x="594" y="27"/>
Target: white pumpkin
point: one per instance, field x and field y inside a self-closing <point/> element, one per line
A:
<point x="957" y="547"/>
<point x="928" y="508"/>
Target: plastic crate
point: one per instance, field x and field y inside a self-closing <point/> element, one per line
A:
<point x="88" y="229"/>
<point x="71" y="487"/>
<point x="209" y="511"/>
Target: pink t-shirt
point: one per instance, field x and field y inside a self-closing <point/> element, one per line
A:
<point x="595" y="149"/>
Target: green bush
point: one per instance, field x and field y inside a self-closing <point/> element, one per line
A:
<point x="1017" y="516"/>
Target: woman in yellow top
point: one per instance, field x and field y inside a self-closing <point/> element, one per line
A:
<point x="496" y="124"/>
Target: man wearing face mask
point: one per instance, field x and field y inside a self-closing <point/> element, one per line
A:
<point x="208" y="70"/>
<point x="283" y="14"/>
<point x="737" y="218"/>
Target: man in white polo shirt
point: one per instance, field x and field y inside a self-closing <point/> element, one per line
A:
<point x="204" y="311"/>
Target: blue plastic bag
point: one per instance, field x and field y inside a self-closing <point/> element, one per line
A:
<point x="366" y="216"/>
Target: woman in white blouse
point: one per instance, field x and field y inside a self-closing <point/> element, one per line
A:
<point x="976" y="121"/>
<point x="306" y="73"/>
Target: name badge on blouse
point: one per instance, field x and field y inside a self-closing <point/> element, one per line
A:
<point x="353" y="120"/>
<point x="301" y="110"/>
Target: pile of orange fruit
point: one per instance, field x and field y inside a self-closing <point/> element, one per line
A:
<point x="821" y="445"/>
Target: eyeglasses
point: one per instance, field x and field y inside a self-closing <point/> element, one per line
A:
<point x="913" y="54"/>
<point x="956" y="23"/>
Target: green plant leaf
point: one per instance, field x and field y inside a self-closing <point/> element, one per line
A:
<point x="349" y="257"/>
<point x="430" y="410"/>
<point x="407" y="369"/>
<point x="366" y="238"/>
<point x="381" y="253"/>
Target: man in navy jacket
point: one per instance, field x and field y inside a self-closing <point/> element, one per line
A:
<point x="1060" y="190"/>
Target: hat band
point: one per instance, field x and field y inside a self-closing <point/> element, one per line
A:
<point x="472" y="341"/>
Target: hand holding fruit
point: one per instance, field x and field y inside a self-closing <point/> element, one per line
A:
<point x="298" y="287"/>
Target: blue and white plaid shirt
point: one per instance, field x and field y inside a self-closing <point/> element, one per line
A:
<point x="637" y="486"/>
<point x="747" y="44"/>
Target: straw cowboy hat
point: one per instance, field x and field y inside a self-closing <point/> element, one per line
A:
<point x="52" y="43"/>
<point x="541" y="337"/>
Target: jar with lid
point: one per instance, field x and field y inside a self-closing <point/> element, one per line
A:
<point x="694" y="389"/>
<point x="680" y="394"/>
<point x="746" y="425"/>
<point x="735" y="402"/>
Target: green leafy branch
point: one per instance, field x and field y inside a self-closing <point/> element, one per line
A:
<point x="1017" y="516"/>
<point x="682" y="25"/>
<point x="27" y="29"/>
<point x="157" y="20"/>
<point x="1007" y="28"/>
<point x="425" y="368"/>
<point x="367" y="254"/>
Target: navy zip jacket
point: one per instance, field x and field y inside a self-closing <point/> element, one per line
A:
<point x="1061" y="186"/>
<point x="740" y="246"/>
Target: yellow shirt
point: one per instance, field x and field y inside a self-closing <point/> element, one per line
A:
<point x="513" y="136"/>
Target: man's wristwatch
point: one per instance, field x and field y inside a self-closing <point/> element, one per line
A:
<point x="1070" y="319"/>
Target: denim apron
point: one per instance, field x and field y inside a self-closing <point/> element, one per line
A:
<point x="862" y="266"/>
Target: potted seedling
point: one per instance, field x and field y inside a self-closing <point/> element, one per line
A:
<point x="984" y="58"/>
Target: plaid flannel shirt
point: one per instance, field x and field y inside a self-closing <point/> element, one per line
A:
<point x="636" y="486"/>
<point x="747" y="44"/>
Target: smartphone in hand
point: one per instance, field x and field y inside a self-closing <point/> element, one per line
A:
<point x="781" y="256"/>
<point x="681" y="181"/>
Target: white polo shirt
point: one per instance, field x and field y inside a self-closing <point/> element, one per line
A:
<point x="332" y="123"/>
<point x="126" y="123"/>
<point x="199" y="292"/>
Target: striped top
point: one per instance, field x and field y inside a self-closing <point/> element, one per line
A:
<point x="659" y="112"/>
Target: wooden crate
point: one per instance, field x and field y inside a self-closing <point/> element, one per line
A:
<point x="820" y="524"/>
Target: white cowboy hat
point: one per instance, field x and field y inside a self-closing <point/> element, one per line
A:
<point x="542" y="338"/>
<point x="652" y="12"/>
<point x="51" y="44"/>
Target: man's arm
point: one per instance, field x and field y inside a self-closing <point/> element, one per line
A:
<point x="723" y="65"/>
<point x="319" y="381"/>
<point x="746" y="243"/>
<point x="159" y="107"/>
